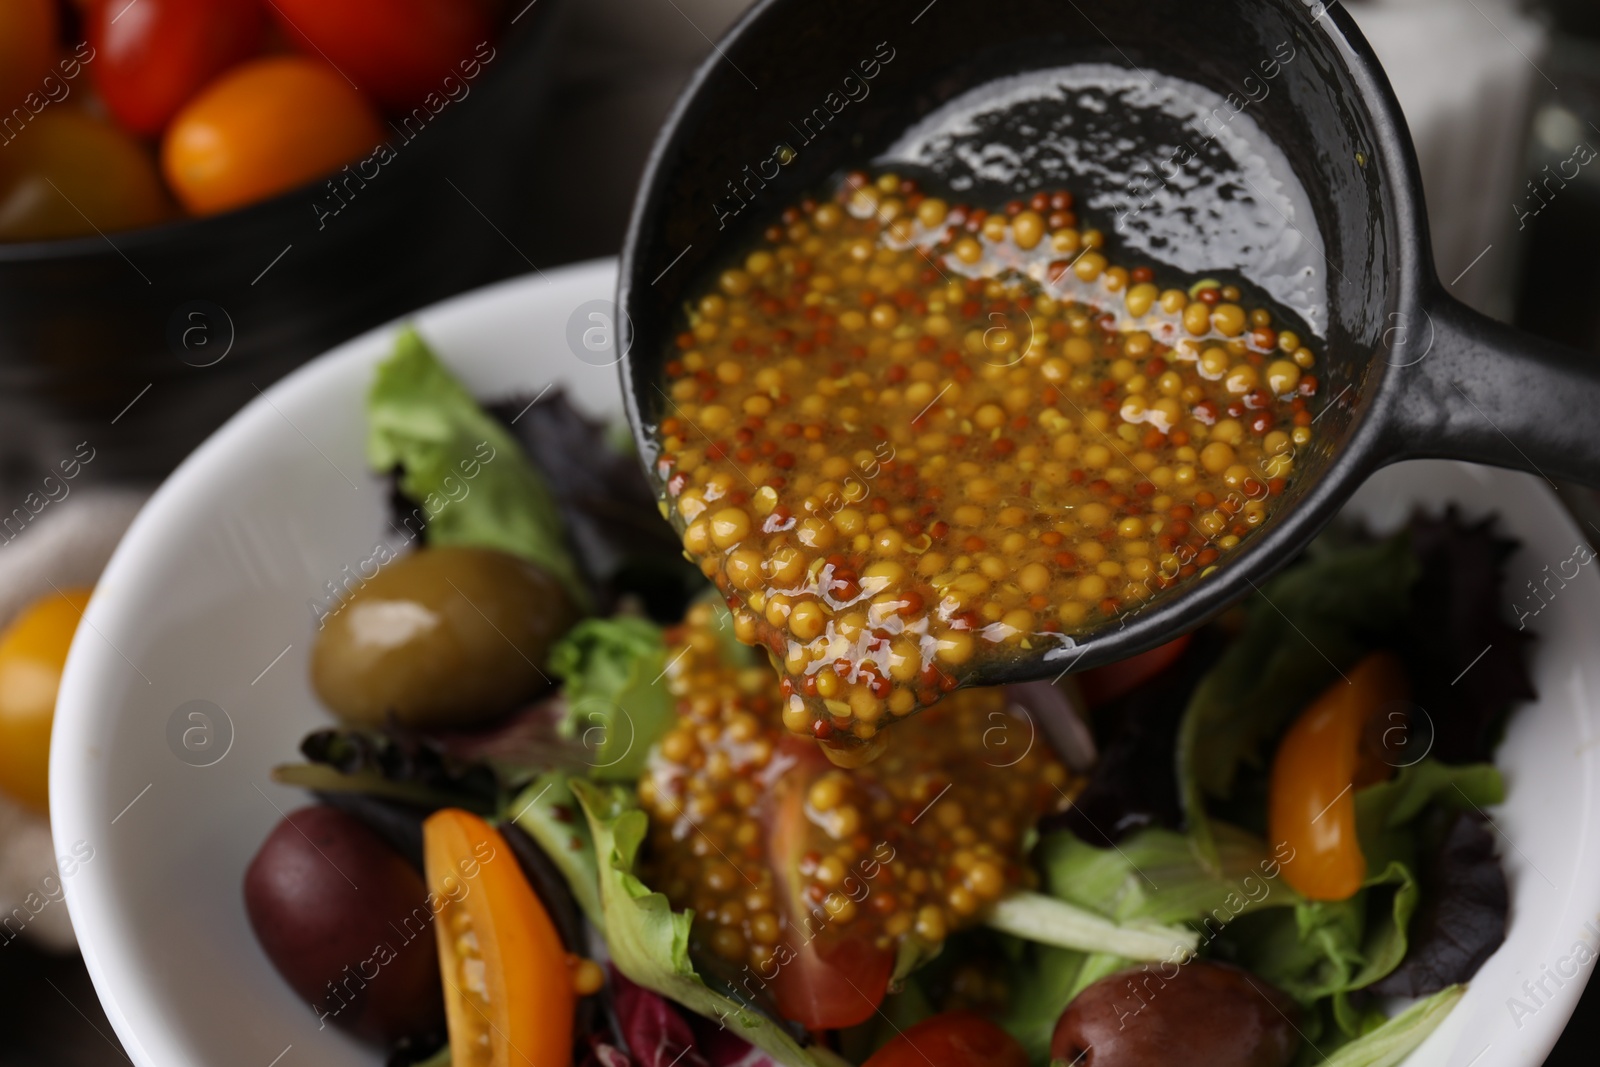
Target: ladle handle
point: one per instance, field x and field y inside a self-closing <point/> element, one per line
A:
<point x="1477" y="389"/>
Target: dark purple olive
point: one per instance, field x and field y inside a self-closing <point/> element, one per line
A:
<point x="345" y="919"/>
<point x="1197" y="1014"/>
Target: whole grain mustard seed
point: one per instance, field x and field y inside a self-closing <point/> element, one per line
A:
<point x="908" y="438"/>
<point x="919" y="842"/>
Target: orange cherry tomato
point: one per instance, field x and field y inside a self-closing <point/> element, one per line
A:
<point x="27" y="50"/>
<point x="68" y="174"/>
<point x="508" y="981"/>
<point x="1100" y="685"/>
<point x="1311" y="800"/>
<point x="263" y="128"/>
<point x="954" y="1039"/>
<point x="33" y="649"/>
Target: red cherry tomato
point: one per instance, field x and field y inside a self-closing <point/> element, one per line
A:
<point x="954" y="1039"/>
<point x="397" y="50"/>
<point x="827" y="979"/>
<point x="27" y="49"/>
<point x="154" y="55"/>
<point x="1101" y="685"/>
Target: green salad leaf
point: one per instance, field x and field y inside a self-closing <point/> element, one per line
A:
<point x="549" y="813"/>
<point x="616" y="702"/>
<point x="649" y="942"/>
<point x="1044" y="980"/>
<point x="467" y="475"/>
<point x="1390" y="1043"/>
<point x="1157" y="875"/>
<point x="1318" y="950"/>
<point x="1387" y="811"/>
<point x="1301" y="630"/>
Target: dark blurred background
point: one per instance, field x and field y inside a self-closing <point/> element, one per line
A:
<point x="1495" y="92"/>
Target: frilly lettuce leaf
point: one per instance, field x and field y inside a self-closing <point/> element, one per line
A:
<point x="616" y="701"/>
<point x="464" y="471"/>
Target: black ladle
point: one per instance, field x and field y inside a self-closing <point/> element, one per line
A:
<point x="1406" y="370"/>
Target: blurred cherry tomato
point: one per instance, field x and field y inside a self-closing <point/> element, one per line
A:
<point x="397" y="50"/>
<point x="154" y="55"/>
<point x="1311" y="804"/>
<point x="954" y="1039"/>
<point x="264" y="127"/>
<point x="27" y="48"/>
<point x="1101" y="685"/>
<point x="69" y="173"/>
<point x="33" y="650"/>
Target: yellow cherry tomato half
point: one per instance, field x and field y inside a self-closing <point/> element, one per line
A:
<point x="33" y="650"/>
<point x="263" y="128"/>
<point x="1311" y="799"/>
<point x="508" y="981"/>
<point x="68" y="174"/>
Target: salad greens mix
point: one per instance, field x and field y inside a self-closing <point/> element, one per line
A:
<point x="1166" y="859"/>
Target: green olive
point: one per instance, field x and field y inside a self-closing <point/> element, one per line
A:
<point x="445" y="637"/>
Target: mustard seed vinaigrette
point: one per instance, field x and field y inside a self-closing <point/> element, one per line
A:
<point x="798" y="871"/>
<point x="907" y="437"/>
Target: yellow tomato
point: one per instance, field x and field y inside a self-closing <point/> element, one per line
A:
<point x="32" y="651"/>
<point x="509" y="983"/>
<point x="1311" y="801"/>
<point x="68" y="174"/>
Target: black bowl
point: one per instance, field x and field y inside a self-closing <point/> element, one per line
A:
<point x="1405" y="369"/>
<point x="141" y="343"/>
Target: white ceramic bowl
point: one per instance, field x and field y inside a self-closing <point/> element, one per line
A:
<point x="207" y="599"/>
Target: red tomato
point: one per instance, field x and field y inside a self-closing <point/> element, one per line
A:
<point x="1101" y="685"/>
<point x="27" y="49"/>
<point x="397" y="50"/>
<point x="826" y="980"/>
<point x="154" y="55"/>
<point x="954" y="1039"/>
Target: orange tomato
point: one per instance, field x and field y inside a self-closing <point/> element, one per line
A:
<point x="508" y="981"/>
<point x="33" y="650"/>
<point x="69" y="173"/>
<point x="264" y="128"/>
<point x="1311" y="799"/>
<point x="27" y="49"/>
